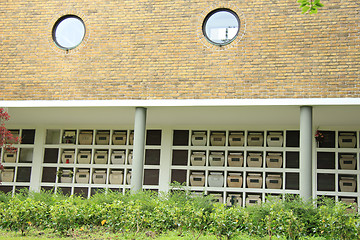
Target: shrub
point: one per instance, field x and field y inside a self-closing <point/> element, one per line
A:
<point x="20" y="215"/>
<point x="254" y="220"/>
<point x="226" y="221"/>
<point x="124" y="217"/>
<point x="291" y="218"/>
<point x="281" y="220"/>
<point x="306" y="213"/>
<point x="337" y="222"/>
<point x="178" y="210"/>
<point x="65" y="214"/>
<point x="5" y="197"/>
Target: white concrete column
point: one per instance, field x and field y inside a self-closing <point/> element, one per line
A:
<point x="306" y="139"/>
<point x="38" y="151"/>
<point x="139" y="150"/>
<point x="165" y="160"/>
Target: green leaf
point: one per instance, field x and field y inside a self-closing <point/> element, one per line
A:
<point x="305" y="9"/>
<point x="313" y="10"/>
<point x="319" y="4"/>
<point x="303" y="1"/>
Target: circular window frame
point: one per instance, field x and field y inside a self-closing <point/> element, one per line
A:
<point x="210" y="14"/>
<point x="56" y="25"/>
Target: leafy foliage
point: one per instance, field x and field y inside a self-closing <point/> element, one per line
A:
<point x="6" y="137"/>
<point x="180" y="211"/>
<point x="20" y="215"/>
<point x="310" y="7"/>
<point x="337" y="221"/>
<point x="226" y="221"/>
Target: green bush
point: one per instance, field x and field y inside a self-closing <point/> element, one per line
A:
<point x="254" y="220"/>
<point x="282" y="220"/>
<point x="306" y="213"/>
<point x="179" y="211"/>
<point x="20" y="215"/>
<point x="226" y="221"/>
<point x="337" y="221"/>
<point x="66" y="214"/>
<point x="4" y="197"/>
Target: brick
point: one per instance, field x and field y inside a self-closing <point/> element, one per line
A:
<point x="155" y="50"/>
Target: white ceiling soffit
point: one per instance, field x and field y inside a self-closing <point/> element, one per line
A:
<point x="156" y="116"/>
<point x="233" y="116"/>
<point x="177" y="116"/>
<point x="71" y="116"/>
<point x="340" y="116"/>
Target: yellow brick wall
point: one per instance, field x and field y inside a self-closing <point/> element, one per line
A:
<point x="154" y="49"/>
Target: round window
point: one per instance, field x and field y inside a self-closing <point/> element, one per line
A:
<point x="68" y="32"/>
<point x="221" y="26"/>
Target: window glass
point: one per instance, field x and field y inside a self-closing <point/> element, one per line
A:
<point x="68" y="32"/>
<point x="221" y="26"/>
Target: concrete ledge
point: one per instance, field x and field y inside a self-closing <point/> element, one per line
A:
<point x="186" y="102"/>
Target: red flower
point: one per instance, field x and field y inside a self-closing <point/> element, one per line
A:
<point x="319" y="136"/>
<point x="7" y="139"/>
